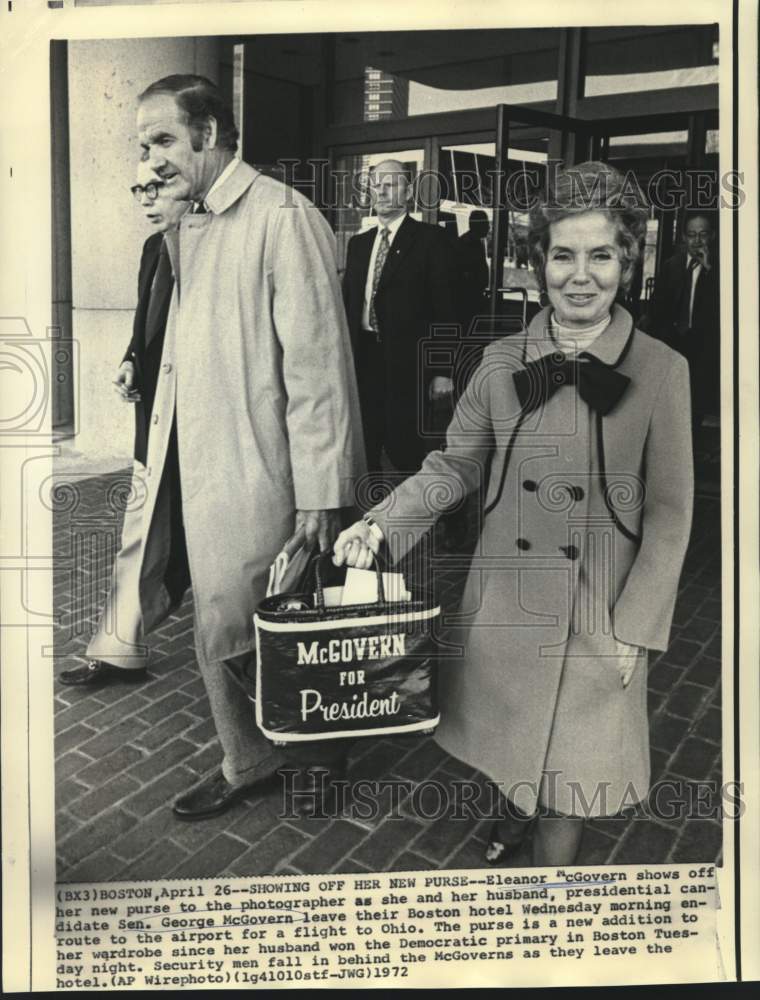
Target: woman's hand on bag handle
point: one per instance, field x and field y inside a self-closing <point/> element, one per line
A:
<point x="358" y="545"/>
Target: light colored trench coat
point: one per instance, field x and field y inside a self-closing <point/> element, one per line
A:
<point x="537" y="700"/>
<point x="257" y="365"/>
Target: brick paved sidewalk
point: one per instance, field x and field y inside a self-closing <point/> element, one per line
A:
<point x="124" y="752"/>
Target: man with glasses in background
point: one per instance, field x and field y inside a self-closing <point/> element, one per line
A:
<point x="117" y="651"/>
<point x="685" y="312"/>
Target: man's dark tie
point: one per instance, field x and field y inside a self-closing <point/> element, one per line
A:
<point x="600" y="386"/>
<point x="198" y="208"/>
<point x="382" y="253"/>
<point x="684" y="304"/>
<point x="160" y="296"/>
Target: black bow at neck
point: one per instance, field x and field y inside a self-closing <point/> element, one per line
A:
<point x="600" y="386"/>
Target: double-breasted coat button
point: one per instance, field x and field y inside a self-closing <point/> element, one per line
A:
<point x="523" y="543"/>
<point x="570" y="551"/>
<point x="155" y="418"/>
<point x="166" y="367"/>
<point x="530" y="485"/>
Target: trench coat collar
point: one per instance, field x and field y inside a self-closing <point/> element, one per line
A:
<point x="610" y="347"/>
<point x="232" y="188"/>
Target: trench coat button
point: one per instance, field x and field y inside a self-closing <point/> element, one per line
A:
<point x="147" y="471"/>
<point x="155" y="419"/>
<point x="530" y="485"/>
<point x="570" y="551"/>
<point x="166" y="367"/>
<point x="576" y="492"/>
<point x="523" y="543"/>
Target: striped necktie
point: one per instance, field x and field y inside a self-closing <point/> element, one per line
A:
<point x="382" y="253"/>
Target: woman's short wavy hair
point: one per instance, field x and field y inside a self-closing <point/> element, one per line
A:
<point x="590" y="187"/>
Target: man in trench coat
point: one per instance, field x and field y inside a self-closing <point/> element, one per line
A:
<point x="258" y="396"/>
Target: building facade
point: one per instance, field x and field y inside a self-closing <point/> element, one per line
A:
<point x="317" y="109"/>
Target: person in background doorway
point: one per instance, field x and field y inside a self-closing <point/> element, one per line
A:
<point x="474" y="267"/>
<point x="400" y="282"/>
<point x="685" y="312"/>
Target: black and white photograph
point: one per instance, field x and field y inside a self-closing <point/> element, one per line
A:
<point x="387" y="502"/>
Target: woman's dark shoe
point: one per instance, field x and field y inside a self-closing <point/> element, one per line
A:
<point x="500" y="850"/>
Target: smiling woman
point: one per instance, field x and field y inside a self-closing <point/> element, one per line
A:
<point x="582" y="270"/>
<point x="586" y="240"/>
<point x="584" y="423"/>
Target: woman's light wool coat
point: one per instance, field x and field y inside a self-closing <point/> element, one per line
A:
<point x="536" y="699"/>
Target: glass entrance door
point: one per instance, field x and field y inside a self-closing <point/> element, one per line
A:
<point x="663" y="159"/>
<point x="495" y="172"/>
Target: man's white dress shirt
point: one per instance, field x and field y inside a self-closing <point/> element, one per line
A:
<point x="392" y="228"/>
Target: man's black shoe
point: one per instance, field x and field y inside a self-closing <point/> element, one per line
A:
<point x="96" y="673"/>
<point x="213" y="796"/>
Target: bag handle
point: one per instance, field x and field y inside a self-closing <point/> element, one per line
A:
<point x="320" y="588"/>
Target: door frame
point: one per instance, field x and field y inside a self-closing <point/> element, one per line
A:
<point x="590" y="140"/>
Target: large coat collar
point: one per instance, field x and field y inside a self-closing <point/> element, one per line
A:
<point x="610" y="347"/>
<point x="232" y="188"/>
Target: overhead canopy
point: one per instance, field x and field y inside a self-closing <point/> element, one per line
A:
<point x="475" y="59"/>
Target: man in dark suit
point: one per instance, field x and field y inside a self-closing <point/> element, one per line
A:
<point x="117" y="650"/>
<point x="685" y="312"/>
<point x="400" y="281"/>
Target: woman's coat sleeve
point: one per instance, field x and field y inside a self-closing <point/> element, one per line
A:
<point x="446" y="476"/>
<point x="643" y="612"/>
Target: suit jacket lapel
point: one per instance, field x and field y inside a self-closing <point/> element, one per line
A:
<point x="147" y="271"/>
<point x="364" y="244"/>
<point x="402" y="242"/>
<point x="158" y="296"/>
